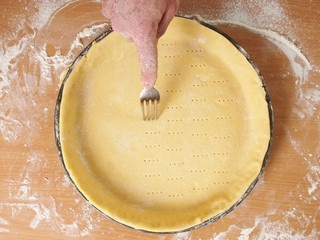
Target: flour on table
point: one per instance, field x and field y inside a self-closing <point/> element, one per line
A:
<point x="19" y="121"/>
<point x="182" y="236"/>
<point x="15" y="51"/>
<point x="270" y="21"/>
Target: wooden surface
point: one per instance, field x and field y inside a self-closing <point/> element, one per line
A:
<point x="40" y="38"/>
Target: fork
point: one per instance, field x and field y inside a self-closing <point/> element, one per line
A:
<point x="149" y="99"/>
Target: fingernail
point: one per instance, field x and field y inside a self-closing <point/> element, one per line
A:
<point x="147" y="84"/>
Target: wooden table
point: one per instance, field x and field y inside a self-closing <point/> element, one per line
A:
<point x="40" y="38"/>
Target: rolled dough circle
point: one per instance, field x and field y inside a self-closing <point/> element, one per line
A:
<point x="192" y="165"/>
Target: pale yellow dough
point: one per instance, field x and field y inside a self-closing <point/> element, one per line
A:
<point x="191" y="164"/>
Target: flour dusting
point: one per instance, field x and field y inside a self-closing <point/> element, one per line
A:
<point x="28" y="72"/>
<point x="4" y="230"/>
<point x="313" y="178"/>
<point x="270" y="20"/>
<point x="182" y="236"/>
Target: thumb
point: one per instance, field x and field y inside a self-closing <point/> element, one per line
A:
<point x="148" y="58"/>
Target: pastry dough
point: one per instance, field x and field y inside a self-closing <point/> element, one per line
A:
<point x="194" y="162"/>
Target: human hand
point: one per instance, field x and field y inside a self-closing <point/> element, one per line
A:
<point x="142" y="22"/>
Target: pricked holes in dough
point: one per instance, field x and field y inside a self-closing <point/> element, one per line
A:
<point x="194" y="50"/>
<point x="172" y="74"/>
<point x="169" y="44"/>
<point x="153" y="132"/>
<point x="226" y="100"/>
<point x="172" y="56"/>
<point x="178" y="149"/>
<point x="174" y="178"/>
<point x="200" y="188"/>
<point x="155" y="193"/>
<point x="153" y="146"/>
<point x="222" y="137"/>
<point x="206" y="155"/>
<point x="224" y="117"/>
<point x="199" y="134"/>
<point x="174" y="107"/>
<point x="175" y="195"/>
<point x="175" y="133"/>
<point x="200" y="119"/>
<point x="152" y="175"/>
<point x="200" y="85"/>
<point x="198" y="171"/>
<point x="174" y="120"/>
<point x="198" y="100"/>
<point x="203" y="65"/>
<point x="176" y="163"/>
<point x="173" y="90"/>
<point x="151" y="160"/>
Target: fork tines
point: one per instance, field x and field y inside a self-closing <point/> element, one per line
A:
<point x="149" y="99"/>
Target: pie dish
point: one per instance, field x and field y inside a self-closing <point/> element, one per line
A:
<point x="191" y="166"/>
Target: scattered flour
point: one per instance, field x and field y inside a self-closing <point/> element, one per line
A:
<point x="244" y="12"/>
<point x="4" y="230"/>
<point x="245" y="232"/>
<point x="182" y="236"/>
<point x="269" y="22"/>
<point x="22" y="59"/>
<point x="20" y="48"/>
<point x="313" y="178"/>
<point x="266" y="229"/>
<point x="4" y="223"/>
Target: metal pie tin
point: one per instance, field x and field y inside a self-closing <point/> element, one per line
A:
<point x="216" y="217"/>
